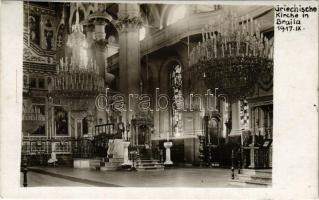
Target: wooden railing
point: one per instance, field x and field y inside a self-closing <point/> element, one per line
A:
<point x="40" y="148"/>
<point x="257" y="157"/>
<point x="35" y="146"/>
<point x="108" y="129"/>
<point x="82" y="148"/>
<point x="254" y="157"/>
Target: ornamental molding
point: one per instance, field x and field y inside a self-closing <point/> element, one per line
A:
<point x="128" y="22"/>
<point x="37" y="9"/>
<point x="260" y="101"/>
<point x="100" y="44"/>
<point x="30" y="56"/>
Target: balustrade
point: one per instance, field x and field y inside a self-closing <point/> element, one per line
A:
<point x="108" y="129"/>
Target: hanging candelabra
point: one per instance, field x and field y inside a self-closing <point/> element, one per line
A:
<point x="233" y="55"/>
<point x="77" y="76"/>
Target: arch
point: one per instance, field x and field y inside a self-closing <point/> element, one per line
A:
<point x="164" y="15"/>
<point x="147" y="77"/>
<point x="89" y="9"/>
<point x="165" y="117"/>
<point x="111" y="30"/>
<point x="73" y="11"/>
<point x="175" y="14"/>
<point x="164" y="69"/>
<point x="59" y="35"/>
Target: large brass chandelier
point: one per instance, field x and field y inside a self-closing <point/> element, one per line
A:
<point x="233" y="55"/>
<point x="77" y="76"/>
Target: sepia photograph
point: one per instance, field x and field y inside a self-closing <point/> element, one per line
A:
<point x="159" y="99"/>
<point x="147" y="95"/>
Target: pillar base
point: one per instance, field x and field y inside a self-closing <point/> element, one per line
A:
<point x="168" y="161"/>
<point x="126" y="162"/>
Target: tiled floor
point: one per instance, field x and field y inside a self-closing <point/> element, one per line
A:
<point x="38" y="180"/>
<point x="176" y="177"/>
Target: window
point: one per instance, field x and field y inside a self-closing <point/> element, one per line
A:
<point x="25" y="81"/>
<point x="178" y="101"/>
<point x="41" y="83"/>
<point x="36" y="82"/>
<point x="142" y="33"/>
<point x="33" y="83"/>
<point x="176" y="14"/>
<point x="61" y="121"/>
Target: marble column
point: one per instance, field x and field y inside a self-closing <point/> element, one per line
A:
<point x="128" y="25"/>
<point x="168" y="161"/>
<point x="126" y="158"/>
<point x="89" y="27"/>
<point x="100" y="47"/>
<point x="236" y="129"/>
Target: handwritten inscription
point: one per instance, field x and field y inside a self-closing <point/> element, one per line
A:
<point x="290" y="18"/>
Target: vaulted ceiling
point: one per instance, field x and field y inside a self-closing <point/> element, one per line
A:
<point x="152" y="14"/>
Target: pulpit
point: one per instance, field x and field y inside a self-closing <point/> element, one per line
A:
<point x="211" y="138"/>
<point x="141" y="136"/>
<point x="257" y="145"/>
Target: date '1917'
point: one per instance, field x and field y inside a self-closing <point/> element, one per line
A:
<point x="289" y="28"/>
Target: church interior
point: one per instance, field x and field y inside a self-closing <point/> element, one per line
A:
<point x="149" y="87"/>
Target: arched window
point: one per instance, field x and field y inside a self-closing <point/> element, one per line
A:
<point x="178" y="102"/>
<point x="176" y="14"/>
<point x="142" y="33"/>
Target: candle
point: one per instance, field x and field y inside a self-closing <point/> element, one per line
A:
<point x="248" y="24"/>
<point x="223" y="49"/>
<point x="203" y="37"/>
<point x="251" y="26"/>
<point x="57" y="68"/>
<point x="167" y="136"/>
<point x="242" y="24"/>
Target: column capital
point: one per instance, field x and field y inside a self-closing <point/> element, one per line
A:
<point x="129" y="22"/>
<point x="100" y="44"/>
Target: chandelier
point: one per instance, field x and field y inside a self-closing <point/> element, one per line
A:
<point x="77" y="76"/>
<point x="233" y="55"/>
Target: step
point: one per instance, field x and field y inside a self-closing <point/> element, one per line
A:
<point x="147" y="161"/>
<point x="239" y="183"/>
<point x="95" y="163"/>
<point x="149" y="164"/>
<point x="150" y="168"/>
<point x="261" y="177"/>
<point x="115" y="163"/>
<point x="121" y="160"/>
<point x="264" y="173"/>
<point x="256" y="171"/>
<point x="257" y="182"/>
<point x="243" y="177"/>
<point x="108" y="168"/>
<point x="236" y="182"/>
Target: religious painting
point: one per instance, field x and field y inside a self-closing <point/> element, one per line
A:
<point x="60" y="36"/>
<point x="85" y="126"/>
<point x="33" y="120"/>
<point x="176" y="84"/>
<point x="212" y="130"/>
<point x="48" y="31"/>
<point x="48" y="34"/>
<point x="143" y="135"/>
<point x="61" y="121"/>
<point x="33" y="26"/>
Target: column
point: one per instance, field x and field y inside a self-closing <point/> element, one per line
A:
<point x="235" y="129"/>
<point x="126" y="158"/>
<point x="253" y="144"/>
<point x="128" y="25"/>
<point x="168" y="146"/>
<point x="89" y="27"/>
<point x="97" y="23"/>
